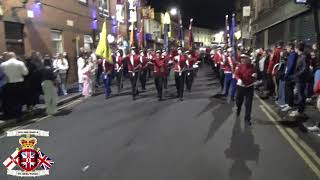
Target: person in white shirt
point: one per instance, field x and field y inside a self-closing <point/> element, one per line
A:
<point x="62" y="67"/>
<point x="94" y="63"/>
<point x="81" y="66"/>
<point x="15" y="71"/>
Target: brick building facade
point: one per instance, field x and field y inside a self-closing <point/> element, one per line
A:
<point x="51" y="26"/>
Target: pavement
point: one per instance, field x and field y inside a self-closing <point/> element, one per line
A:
<point x="197" y="139"/>
<point x="39" y="109"/>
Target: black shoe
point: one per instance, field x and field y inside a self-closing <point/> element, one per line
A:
<point x="248" y="122"/>
<point x="232" y="99"/>
<point x="134" y="98"/>
<point x="160" y="99"/>
<point x="238" y="112"/>
<point x="181" y="99"/>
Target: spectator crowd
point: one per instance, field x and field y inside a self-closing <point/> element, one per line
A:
<point x="23" y="80"/>
<point x="288" y="73"/>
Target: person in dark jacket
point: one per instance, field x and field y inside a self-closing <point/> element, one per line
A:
<point x="48" y="84"/>
<point x="289" y="77"/>
<point x="281" y="101"/>
<point x="33" y="88"/>
<point x="311" y="66"/>
<point x="300" y="76"/>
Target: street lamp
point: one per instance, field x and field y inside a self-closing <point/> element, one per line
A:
<point x="177" y="12"/>
<point x="173" y="11"/>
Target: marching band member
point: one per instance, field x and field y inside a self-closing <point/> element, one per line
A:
<point x="217" y="58"/>
<point x="166" y="58"/>
<point x="236" y="63"/>
<point x="143" y="70"/>
<point x="107" y="77"/>
<point x="180" y="73"/>
<point x="160" y="73"/>
<point x="150" y="62"/>
<point x="228" y="71"/>
<point x="245" y="76"/>
<point x="118" y="67"/>
<point x="134" y="66"/>
<point x="191" y="70"/>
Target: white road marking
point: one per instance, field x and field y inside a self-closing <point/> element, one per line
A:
<point x="84" y="169"/>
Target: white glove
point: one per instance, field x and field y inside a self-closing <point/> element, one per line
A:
<point x="215" y="65"/>
<point x="311" y="68"/>
<point x="254" y="75"/>
<point x="233" y="76"/>
<point x="240" y="83"/>
<point x="133" y="74"/>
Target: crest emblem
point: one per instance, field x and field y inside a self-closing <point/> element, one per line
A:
<point x="27" y="158"/>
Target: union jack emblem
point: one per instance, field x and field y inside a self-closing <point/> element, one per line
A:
<point x="44" y="161"/>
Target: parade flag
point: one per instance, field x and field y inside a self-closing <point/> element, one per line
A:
<point x="141" y="38"/>
<point x="226" y="31"/>
<point x="190" y="34"/>
<point x="132" y="35"/>
<point x="103" y="48"/>
<point x="232" y="36"/>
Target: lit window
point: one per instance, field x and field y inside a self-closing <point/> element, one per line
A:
<point x="84" y="1"/>
<point x="87" y="41"/>
<point x="56" y="38"/>
<point x="104" y="7"/>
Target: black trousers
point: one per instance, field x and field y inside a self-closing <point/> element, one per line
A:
<point x="13" y="99"/>
<point x="245" y="94"/>
<point x="179" y="80"/>
<point x="119" y="76"/>
<point x="289" y="95"/>
<point x="98" y="75"/>
<point x="159" y="82"/>
<point x="189" y="79"/>
<point x="301" y="85"/>
<point x="165" y="79"/>
<point x="149" y="70"/>
<point x="270" y="85"/>
<point x="221" y="78"/>
<point x="134" y="79"/>
<point x="143" y="78"/>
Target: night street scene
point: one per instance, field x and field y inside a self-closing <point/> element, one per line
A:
<point x="160" y="89"/>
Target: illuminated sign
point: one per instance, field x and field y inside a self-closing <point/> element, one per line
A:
<point x="120" y="13"/>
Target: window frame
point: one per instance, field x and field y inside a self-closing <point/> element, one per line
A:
<point x="57" y="40"/>
<point x="102" y="10"/>
<point x="83" y="3"/>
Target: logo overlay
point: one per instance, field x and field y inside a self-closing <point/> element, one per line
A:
<point x="31" y="162"/>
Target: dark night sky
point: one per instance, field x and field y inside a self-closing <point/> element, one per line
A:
<point x="206" y="13"/>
